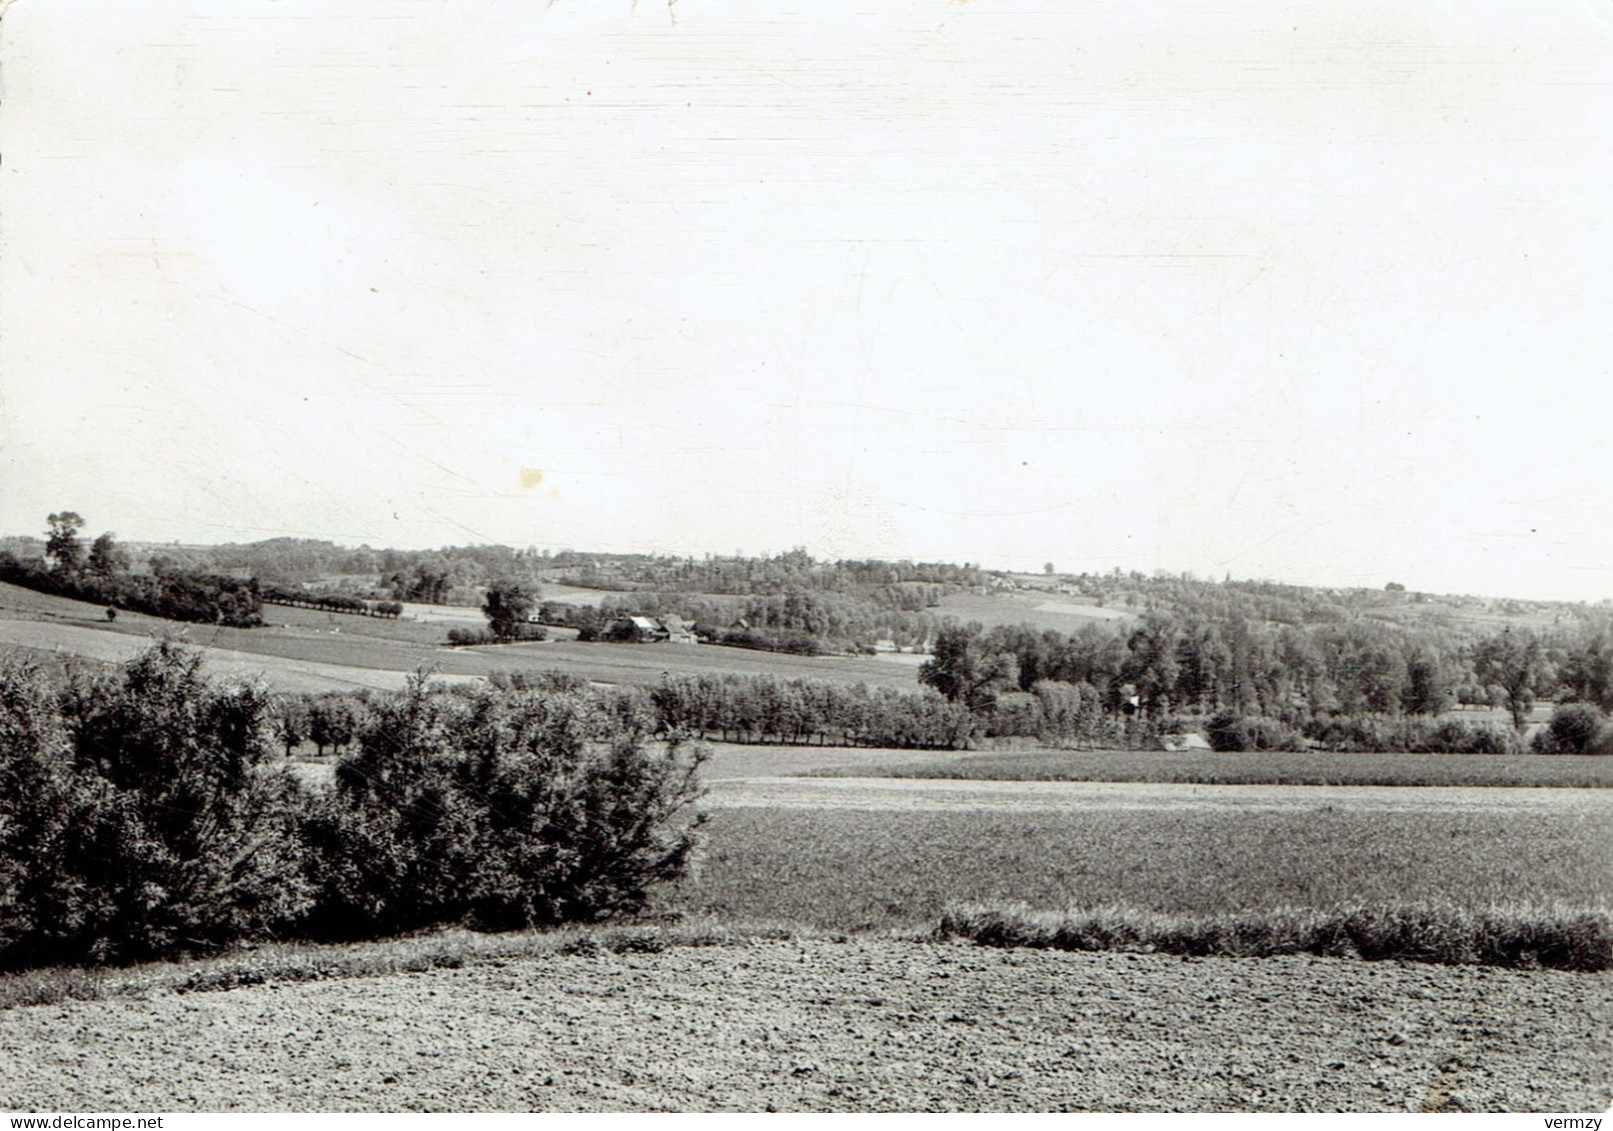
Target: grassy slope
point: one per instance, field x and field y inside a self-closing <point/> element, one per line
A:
<point x="310" y="637"/>
<point x="1061" y="614"/>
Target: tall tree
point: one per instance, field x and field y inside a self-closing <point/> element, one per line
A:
<point x="107" y="557"/>
<point x="1510" y="661"/>
<point x="961" y="668"/>
<point x="1151" y="663"/>
<point x="62" y="544"/>
<point x="507" y="606"/>
<point x="1588" y="671"/>
<point x="1425" y="691"/>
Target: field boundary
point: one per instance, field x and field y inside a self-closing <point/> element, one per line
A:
<point x="1578" y="940"/>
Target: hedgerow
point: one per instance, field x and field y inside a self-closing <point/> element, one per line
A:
<point x="1576" y="939"/>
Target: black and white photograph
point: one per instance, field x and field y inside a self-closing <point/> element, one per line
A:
<point x="676" y="556"/>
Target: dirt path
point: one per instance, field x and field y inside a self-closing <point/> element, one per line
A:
<point x="819" y="1026"/>
<point x="1043" y="796"/>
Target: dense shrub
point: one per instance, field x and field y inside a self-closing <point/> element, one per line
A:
<point x="138" y="817"/>
<point x="505" y="806"/>
<point x="1445" y="935"/>
<point x="1229" y="732"/>
<point x="330" y="602"/>
<point x="1575" y="728"/>
<point x="1409" y="735"/>
<point x="786" y="640"/>
<point x="141" y="814"/>
<point x="1456" y="736"/>
<point x="463" y="637"/>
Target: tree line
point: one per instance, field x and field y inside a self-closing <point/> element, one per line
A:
<point x="767" y="574"/>
<point x="1308" y="681"/>
<point x="100" y="573"/>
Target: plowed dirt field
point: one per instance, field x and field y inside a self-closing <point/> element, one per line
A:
<point x="865" y="1025"/>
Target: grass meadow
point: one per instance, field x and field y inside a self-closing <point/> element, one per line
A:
<point x="1250" y="768"/>
<point x="1041" y="610"/>
<point x="858" y="869"/>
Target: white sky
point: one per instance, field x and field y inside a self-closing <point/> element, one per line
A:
<point x="1317" y="292"/>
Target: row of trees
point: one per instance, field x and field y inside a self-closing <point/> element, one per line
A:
<point x="330" y="602"/>
<point x="731" y="708"/>
<point x="770" y="709"/>
<point x="1360" y="667"/>
<point x="146" y="813"/>
<point x="759" y="708"/>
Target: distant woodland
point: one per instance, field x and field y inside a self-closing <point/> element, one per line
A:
<point x="1258" y="663"/>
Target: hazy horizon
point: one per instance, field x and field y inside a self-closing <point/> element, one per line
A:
<point x="1318" y="293"/>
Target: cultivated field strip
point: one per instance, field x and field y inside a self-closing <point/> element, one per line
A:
<point x="901" y="860"/>
<point x="1209" y="767"/>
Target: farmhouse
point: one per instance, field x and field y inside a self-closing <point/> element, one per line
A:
<point x="679" y="631"/>
<point x="650" y="630"/>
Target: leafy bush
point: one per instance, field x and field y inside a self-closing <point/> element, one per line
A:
<point x="1456" y="736"/>
<point x="1409" y="735"/>
<point x="138" y="816"/>
<point x="520" y="633"/>
<point x="1575" y="728"/>
<point x="1229" y="732"/>
<point x="500" y="805"/>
